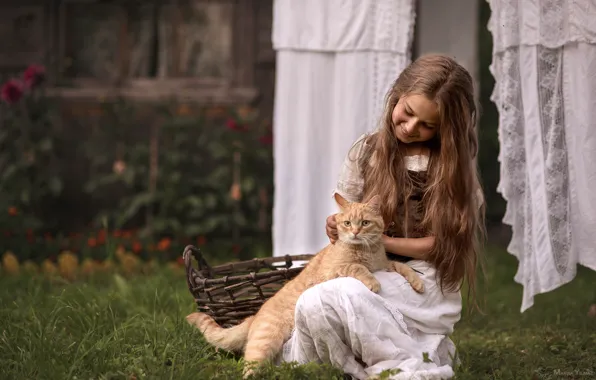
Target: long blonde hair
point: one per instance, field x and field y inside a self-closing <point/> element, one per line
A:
<point x="451" y="214"/>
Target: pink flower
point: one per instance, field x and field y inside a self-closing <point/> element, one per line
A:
<point x="119" y="167"/>
<point x="12" y="91"/>
<point x="34" y="75"/>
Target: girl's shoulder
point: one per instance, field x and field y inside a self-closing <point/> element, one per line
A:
<point x="360" y="147"/>
<point x="363" y="144"/>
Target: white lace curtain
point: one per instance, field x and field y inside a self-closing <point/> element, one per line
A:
<point x="544" y="64"/>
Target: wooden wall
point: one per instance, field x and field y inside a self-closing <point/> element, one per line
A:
<point x="198" y="51"/>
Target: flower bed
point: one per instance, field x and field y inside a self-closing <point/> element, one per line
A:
<point x="160" y="176"/>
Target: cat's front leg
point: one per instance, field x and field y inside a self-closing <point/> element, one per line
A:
<point x="361" y="273"/>
<point x="409" y="274"/>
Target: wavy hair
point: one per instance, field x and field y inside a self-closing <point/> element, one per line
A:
<point x="451" y="211"/>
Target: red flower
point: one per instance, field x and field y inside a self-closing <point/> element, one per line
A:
<point x="137" y="247"/>
<point x="234" y="126"/>
<point x="266" y="139"/>
<point x="101" y="236"/>
<point x="34" y="75"/>
<point x="12" y="211"/>
<point x="12" y="91"/>
<point x="30" y="236"/>
<point x="180" y="261"/>
<point x="164" y="244"/>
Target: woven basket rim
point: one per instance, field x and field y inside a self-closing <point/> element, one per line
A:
<point x="234" y="290"/>
<point x="264" y="262"/>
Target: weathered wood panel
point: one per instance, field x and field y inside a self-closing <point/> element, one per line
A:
<point x="195" y="40"/>
<point x="102" y="49"/>
<point x="22" y="35"/>
<point x="245" y="34"/>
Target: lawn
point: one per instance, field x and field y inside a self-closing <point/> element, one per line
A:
<point x="111" y="327"/>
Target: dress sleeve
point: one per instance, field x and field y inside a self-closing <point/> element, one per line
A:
<point x="350" y="184"/>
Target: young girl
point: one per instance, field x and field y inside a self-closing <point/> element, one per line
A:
<point x="421" y="162"/>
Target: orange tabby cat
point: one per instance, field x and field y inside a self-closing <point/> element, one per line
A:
<point x="358" y="252"/>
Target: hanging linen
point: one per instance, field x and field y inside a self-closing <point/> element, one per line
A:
<point x="544" y="65"/>
<point x="335" y="62"/>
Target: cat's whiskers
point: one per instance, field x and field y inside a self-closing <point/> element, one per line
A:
<point x="368" y="242"/>
<point x="365" y="243"/>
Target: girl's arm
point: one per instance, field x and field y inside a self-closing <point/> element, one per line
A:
<point x="416" y="248"/>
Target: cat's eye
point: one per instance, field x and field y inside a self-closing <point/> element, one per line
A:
<point x="347" y="223"/>
<point x="365" y="222"/>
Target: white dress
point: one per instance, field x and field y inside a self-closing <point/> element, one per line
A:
<point x="343" y="323"/>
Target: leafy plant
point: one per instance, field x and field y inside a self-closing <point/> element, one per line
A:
<point x="183" y="174"/>
<point x="29" y="174"/>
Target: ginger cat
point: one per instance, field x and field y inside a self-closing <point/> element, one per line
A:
<point x="358" y="252"/>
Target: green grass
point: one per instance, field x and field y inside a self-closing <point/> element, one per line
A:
<point x="112" y="328"/>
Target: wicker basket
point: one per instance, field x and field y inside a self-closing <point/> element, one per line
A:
<point x="231" y="292"/>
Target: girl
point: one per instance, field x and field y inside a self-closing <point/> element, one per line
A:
<point x="421" y="162"/>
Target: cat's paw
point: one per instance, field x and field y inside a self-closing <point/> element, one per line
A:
<point x="416" y="283"/>
<point x="372" y="284"/>
<point x="396" y="266"/>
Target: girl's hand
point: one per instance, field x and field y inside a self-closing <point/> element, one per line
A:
<point x="331" y="229"/>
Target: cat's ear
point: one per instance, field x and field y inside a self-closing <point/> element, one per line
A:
<point x="341" y="201"/>
<point x="374" y="203"/>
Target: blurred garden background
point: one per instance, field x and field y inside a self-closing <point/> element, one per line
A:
<point x="145" y="127"/>
<point x="134" y="127"/>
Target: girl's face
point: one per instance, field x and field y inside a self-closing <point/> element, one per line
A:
<point x="415" y="119"/>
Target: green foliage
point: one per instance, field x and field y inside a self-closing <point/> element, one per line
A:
<point x="118" y="328"/>
<point x="212" y="180"/>
<point x="114" y="328"/>
<point x="196" y="161"/>
<point x="29" y="172"/>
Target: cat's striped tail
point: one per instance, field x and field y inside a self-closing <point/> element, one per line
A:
<point x="229" y="339"/>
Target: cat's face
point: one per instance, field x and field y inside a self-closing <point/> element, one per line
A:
<point x="359" y="223"/>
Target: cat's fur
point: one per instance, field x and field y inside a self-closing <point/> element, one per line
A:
<point x="358" y="252"/>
